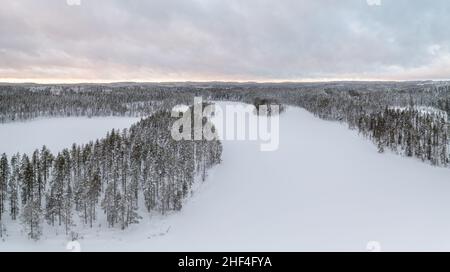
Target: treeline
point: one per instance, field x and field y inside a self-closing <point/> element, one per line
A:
<point x="408" y="123"/>
<point x="409" y="132"/>
<point x="110" y="181"/>
<point x="268" y="105"/>
<point x="348" y="102"/>
<point x="22" y="103"/>
<point x="409" y="118"/>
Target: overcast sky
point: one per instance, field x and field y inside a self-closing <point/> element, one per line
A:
<point x="242" y="40"/>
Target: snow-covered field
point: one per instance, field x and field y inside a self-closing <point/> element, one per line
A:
<point x="56" y="133"/>
<point x="325" y="188"/>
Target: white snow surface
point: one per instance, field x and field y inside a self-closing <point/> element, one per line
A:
<point x="56" y="133"/>
<point x="325" y="189"/>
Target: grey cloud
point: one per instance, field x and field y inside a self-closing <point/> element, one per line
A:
<point x="224" y="40"/>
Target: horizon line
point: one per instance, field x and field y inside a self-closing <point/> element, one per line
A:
<point x="218" y="81"/>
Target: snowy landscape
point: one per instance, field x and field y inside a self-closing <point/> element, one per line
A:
<point x="229" y="126"/>
<point x="285" y="201"/>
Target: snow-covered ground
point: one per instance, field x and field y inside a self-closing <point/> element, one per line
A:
<point x="325" y="188"/>
<point x="56" y="133"/>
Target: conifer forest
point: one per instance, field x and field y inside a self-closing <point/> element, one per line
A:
<point x="115" y="179"/>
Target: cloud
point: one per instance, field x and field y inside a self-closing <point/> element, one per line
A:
<point x="263" y="40"/>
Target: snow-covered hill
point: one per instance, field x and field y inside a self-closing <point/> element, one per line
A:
<point x="325" y="188"/>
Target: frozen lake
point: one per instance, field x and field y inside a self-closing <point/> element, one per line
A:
<point x="56" y="133"/>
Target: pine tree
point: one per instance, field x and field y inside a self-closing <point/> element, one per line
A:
<point x="4" y="175"/>
<point x="110" y="203"/>
<point x="67" y="208"/>
<point x="32" y="212"/>
<point x="60" y="197"/>
<point x="55" y="198"/>
<point x="46" y="164"/>
<point x="91" y="196"/>
<point x="32" y="218"/>
<point x="26" y="179"/>
<point x="13" y="187"/>
<point x="38" y="175"/>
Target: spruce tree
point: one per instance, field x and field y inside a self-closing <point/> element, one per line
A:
<point x="4" y="175"/>
<point x="13" y="187"/>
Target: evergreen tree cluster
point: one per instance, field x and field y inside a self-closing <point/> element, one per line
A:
<point x="349" y="102"/>
<point x="112" y="180"/>
<point x="409" y="132"/>
<point x="22" y="103"/>
<point x="410" y="125"/>
<point x="113" y="176"/>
